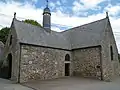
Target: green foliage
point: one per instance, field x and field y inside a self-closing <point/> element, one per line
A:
<point x="33" y="22"/>
<point x="5" y="31"/>
<point x="4" y="34"/>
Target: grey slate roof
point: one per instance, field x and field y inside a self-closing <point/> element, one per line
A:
<point x="31" y="34"/>
<point x="87" y="35"/>
<point x="78" y="37"/>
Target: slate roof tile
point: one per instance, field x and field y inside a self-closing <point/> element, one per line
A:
<point x="77" y="37"/>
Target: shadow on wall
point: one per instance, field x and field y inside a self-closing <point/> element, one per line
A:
<point x="119" y="69"/>
<point x="5" y="70"/>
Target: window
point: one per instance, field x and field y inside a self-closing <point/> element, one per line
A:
<point x="119" y="57"/>
<point x="10" y="39"/>
<point x="111" y="52"/>
<point x="67" y="57"/>
<point x="9" y="58"/>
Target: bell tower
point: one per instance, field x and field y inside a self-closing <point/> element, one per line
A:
<point x="47" y="18"/>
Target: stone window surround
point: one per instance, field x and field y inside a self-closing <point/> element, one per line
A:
<point x="67" y="57"/>
<point x="67" y="61"/>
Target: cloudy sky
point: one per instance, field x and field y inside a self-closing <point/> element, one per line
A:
<point x="65" y="13"/>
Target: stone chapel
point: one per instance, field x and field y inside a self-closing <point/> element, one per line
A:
<point x="33" y="52"/>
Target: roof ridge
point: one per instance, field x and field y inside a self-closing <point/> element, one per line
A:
<point x="34" y="25"/>
<point x="28" y="23"/>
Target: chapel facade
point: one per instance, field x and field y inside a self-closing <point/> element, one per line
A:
<point x="33" y="52"/>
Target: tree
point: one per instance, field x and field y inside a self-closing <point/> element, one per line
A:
<point x="5" y="31"/>
<point x="33" y="22"/>
<point x="4" y="34"/>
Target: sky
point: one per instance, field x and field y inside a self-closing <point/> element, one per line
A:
<point x="65" y="13"/>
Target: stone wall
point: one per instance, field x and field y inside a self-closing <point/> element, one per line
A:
<point x="110" y="67"/>
<point x="87" y="62"/>
<point x="14" y="50"/>
<point x="42" y="63"/>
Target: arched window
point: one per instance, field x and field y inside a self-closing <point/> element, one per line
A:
<point x="67" y="57"/>
<point x="111" y="52"/>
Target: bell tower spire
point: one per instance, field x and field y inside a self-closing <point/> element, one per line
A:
<point x="47" y="17"/>
<point x="47" y="3"/>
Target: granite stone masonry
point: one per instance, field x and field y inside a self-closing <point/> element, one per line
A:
<point x="87" y="62"/>
<point x="42" y="63"/>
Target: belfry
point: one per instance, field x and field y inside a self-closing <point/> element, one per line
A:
<point x="47" y="18"/>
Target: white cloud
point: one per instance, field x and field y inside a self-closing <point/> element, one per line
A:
<point x="64" y="1"/>
<point x="64" y="19"/>
<point x="58" y="3"/>
<point x="29" y="11"/>
<point x="52" y="5"/>
<point x="35" y="1"/>
<point x="56" y="29"/>
<point x="91" y="3"/>
<point x="26" y="11"/>
<point x="83" y="5"/>
<point x="113" y="10"/>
